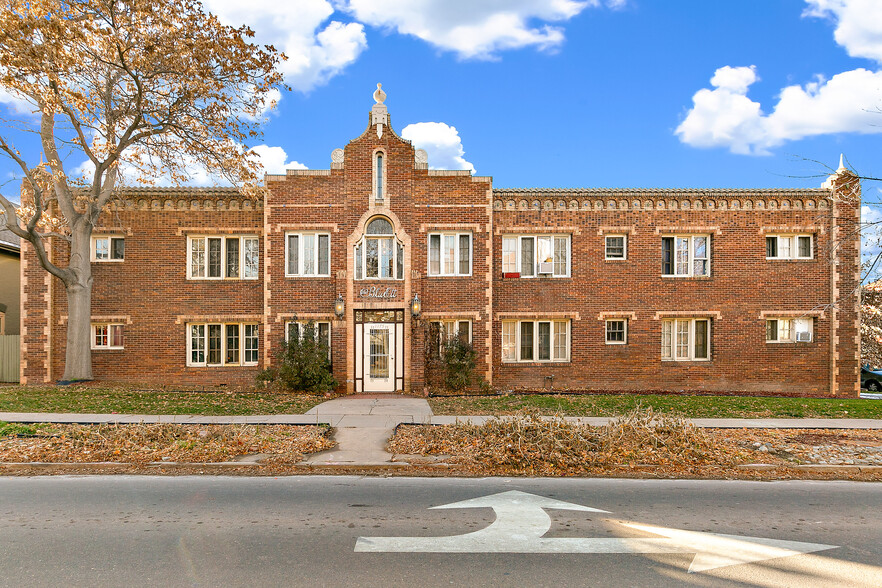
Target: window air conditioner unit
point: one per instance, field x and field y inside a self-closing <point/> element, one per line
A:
<point x="546" y="267"/>
<point x="804" y="337"/>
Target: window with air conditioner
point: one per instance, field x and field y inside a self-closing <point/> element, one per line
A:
<point x="530" y="256"/>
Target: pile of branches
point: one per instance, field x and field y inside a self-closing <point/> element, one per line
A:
<point x="528" y="443"/>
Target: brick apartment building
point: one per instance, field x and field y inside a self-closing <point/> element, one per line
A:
<point x="729" y="291"/>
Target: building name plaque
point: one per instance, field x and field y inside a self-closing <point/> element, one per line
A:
<point x="379" y="292"/>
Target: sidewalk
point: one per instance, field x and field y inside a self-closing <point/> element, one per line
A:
<point x="365" y="423"/>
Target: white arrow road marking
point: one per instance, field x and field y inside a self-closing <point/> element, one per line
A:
<point x="521" y="522"/>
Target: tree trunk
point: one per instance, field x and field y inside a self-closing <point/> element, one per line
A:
<point x="78" y="355"/>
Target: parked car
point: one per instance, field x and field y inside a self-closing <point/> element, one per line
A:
<point x="871" y="379"/>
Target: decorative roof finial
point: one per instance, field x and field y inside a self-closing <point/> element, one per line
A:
<point x="379" y="94"/>
<point x="842" y="167"/>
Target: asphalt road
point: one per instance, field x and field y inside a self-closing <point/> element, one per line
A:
<point x="317" y="530"/>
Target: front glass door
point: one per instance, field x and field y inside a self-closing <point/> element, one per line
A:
<point x="379" y="357"/>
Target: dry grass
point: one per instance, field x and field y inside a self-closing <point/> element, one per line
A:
<point x="141" y="444"/>
<point x="529" y="444"/>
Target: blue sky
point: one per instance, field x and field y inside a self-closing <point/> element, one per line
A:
<point x="590" y="93"/>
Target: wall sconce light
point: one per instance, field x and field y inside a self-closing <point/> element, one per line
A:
<point x="416" y="306"/>
<point x="339" y="306"/>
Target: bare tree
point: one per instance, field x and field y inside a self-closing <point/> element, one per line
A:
<point x="146" y="87"/>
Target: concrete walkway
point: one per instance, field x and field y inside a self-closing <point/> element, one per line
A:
<point x="365" y="423"/>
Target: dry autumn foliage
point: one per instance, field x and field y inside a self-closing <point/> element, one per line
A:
<point x="871" y="324"/>
<point x="117" y="91"/>
<point x="141" y="444"/>
<point x="528" y="443"/>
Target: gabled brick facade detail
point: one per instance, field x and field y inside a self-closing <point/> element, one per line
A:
<point x="149" y="292"/>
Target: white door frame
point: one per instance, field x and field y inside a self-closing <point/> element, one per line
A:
<point x="384" y="381"/>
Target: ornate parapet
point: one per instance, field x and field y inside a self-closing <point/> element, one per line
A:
<point x="590" y="200"/>
<point x="165" y="199"/>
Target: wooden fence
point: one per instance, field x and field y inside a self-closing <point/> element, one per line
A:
<point x="9" y="357"/>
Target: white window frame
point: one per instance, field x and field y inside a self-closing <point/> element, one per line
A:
<point x="380" y="176"/>
<point x="223" y="257"/>
<point x="110" y="239"/>
<point x="794" y="245"/>
<point x="607" y="331"/>
<point x="301" y="260"/>
<point x="449" y="328"/>
<point x="456" y="254"/>
<point x="243" y="348"/>
<point x="507" y="240"/>
<point x="301" y="333"/>
<point x="553" y="334"/>
<point x="670" y="351"/>
<point x="606" y="254"/>
<point x="796" y="325"/>
<point x="302" y="325"/>
<point x="110" y="327"/>
<point x="691" y="237"/>
<point x="360" y="254"/>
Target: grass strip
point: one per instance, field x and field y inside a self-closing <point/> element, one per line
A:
<point x="130" y="400"/>
<point x="604" y="405"/>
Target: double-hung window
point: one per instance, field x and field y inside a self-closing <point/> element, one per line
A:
<point x="107" y="336"/>
<point x="789" y="330"/>
<point x="451" y="329"/>
<point x="450" y="254"/>
<point x="219" y="257"/>
<point x="616" y="247"/>
<point x="307" y="254"/>
<point x="319" y="331"/>
<point x="789" y="247"/>
<point x="528" y="256"/>
<point x="216" y="344"/>
<point x="686" y="339"/>
<point x="535" y="341"/>
<point x="108" y="248"/>
<point x="686" y="255"/>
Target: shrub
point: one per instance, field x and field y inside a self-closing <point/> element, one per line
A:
<point x="302" y="365"/>
<point x="450" y="362"/>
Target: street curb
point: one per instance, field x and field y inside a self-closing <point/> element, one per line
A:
<point x="815" y="467"/>
<point x="368" y="466"/>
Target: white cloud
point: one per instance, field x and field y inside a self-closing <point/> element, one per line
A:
<point x="441" y="142"/>
<point x="317" y="50"/>
<point x="474" y="28"/>
<point x="16" y="103"/>
<point x="858" y="24"/>
<point x="849" y="102"/>
<point x="274" y="160"/>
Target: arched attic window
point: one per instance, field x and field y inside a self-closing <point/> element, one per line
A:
<point x="379" y="255"/>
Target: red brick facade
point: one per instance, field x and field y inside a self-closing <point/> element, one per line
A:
<point x="157" y="302"/>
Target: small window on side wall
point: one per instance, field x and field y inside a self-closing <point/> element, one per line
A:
<point x="108" y="248"/>
<point x="616" y="331"/>
<point x="616" y="247"/>
<point x="107" y="336"/>
<point x="789" y="247"/>
<point x="789" y="330"/>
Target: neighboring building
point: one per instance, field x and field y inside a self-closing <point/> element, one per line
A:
<point x="10" y="284"/>
<point x="730" y="291"/>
